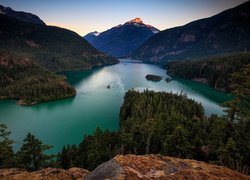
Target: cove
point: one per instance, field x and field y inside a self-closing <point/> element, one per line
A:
<point x="66" y="121"/>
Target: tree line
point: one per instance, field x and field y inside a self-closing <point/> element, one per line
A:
<point x="216" y="71"/>
<point x="22" y="79"/>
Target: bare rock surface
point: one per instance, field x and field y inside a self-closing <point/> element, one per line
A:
<point x="45" y="174"/>
<point x="160" y="167"/>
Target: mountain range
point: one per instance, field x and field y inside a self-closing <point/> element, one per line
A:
<point x="226" y="32"/>
<point x="122" y="39"/>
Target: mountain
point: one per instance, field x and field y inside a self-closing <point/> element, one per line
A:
<point x="30" y="53"/>
<point x="90" y="37"/>
<point x="54" y="48"/>
<point x="22" y="16"/>
<point x="122" y="39"/>
<point x="226" y="32"/>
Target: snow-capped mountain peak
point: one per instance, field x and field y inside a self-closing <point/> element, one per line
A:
<point x="95" y="33"/>
<point x="116" y="41"/>
<point x="136" y="20"/>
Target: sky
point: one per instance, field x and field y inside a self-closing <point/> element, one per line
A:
<point x="84" y="16"/>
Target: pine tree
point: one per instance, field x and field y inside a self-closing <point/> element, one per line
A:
<point x="31" y="155"/>
<point x="239" y="107"/>
<point x="6" y="151"/>
<point x="177" y="144"/>
<point x="97" y="150"/>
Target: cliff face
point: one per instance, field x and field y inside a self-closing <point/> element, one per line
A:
<point x="159" y="167"/>
<point x="132" y="167"/>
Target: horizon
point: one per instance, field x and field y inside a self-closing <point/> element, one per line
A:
<point x="160" y="14"/>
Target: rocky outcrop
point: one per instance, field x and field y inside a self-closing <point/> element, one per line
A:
<point x="131" y="167"/>
<point x="46" y="174"/>
<point x="159" y="167"/>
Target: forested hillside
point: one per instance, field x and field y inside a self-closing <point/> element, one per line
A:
<point x="54" y="48"/>
<point x="226" y="32"/>
<point x="169" y="124"/>
<point x="29" y="53"/>
<point x="28" y="82"/>
<point x="154" y="122"/>
<point x="215" y="72"/>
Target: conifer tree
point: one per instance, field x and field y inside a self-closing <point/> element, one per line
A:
<point x="31" y="155"/>
<point x="6" y="151"/>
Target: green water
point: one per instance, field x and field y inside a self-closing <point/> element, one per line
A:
<point x="66" y="121"/>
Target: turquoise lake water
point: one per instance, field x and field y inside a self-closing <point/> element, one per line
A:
<point x="66" y="121"/>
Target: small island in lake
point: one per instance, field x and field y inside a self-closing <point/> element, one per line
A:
<point x="108" y="87"/>
<point x="152" y="77"/>
<point x="168" y="79"/>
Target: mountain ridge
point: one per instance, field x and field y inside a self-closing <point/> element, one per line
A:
<point x="20" y="15"/>
<point x="226" y="32"/>
<point x="54" y="48"/>
<point x="31" y="53"/>
<point x="119" y="40"/>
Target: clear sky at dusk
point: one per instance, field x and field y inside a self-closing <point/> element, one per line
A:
<point x="83" y="16"/>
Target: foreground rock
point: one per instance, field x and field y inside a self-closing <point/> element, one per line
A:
<point x="48" y="174"/>
<point x="131" y="167"/>
<point x="159" y="167"/>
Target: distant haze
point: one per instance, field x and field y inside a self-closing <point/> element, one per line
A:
<point x="84" y="16"/>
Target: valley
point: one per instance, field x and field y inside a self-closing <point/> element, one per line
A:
<point x="88" y="90"/>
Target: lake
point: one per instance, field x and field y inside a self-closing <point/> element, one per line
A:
<point x="66" y="121"/>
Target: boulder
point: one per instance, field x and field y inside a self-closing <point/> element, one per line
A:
<point x="160" y="167"/>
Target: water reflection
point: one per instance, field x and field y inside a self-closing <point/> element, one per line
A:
<point x="52" y="105"/>
<point x="206" y="91"/>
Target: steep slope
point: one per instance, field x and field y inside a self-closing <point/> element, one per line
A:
<point x="122" y="39"/>
<point x="54" y="48"/>
<point x="28" y="82"/>
<point x="227" y="32"/>
<point x="22" y="16"/>
<point x="30" y="51"/>
<point x="160" y="167"/>
<point x="214" y="72"/>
